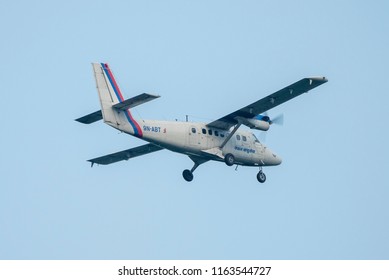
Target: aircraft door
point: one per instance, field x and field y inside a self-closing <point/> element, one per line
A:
<point x="194" y="136"/>
<point x="245" y="141"/>
<point x="260" y="150"/>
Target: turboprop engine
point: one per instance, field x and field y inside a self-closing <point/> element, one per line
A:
<point x="255" y="123"/>
<point x="258" y="124"/>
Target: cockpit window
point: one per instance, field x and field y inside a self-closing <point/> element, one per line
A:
<point x="256" y="139"/>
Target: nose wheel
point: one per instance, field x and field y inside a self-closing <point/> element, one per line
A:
<point x="261" y="177"/>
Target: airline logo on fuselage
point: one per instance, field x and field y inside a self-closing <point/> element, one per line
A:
<point x="244" y="149"/>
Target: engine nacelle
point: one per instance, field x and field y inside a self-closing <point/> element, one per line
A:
<point x="255" y="123"/>
<point x="258" y="124"/>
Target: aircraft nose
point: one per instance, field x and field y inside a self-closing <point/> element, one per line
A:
<point x="271" y="158"/>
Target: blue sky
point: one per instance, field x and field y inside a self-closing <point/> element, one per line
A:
<point x="328" y="199"/>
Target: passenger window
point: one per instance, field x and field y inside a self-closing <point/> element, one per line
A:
<point x="216" y="133"/>
<point x="238" y="137"/>
<point x="193" y="130"/>
<point x="244" y="138"/>
<point x="210" y="131"/>
<point x="204" y="131"/>
<point x="221" y="135"/>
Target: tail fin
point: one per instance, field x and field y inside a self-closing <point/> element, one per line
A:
<point x="110" y="95"/>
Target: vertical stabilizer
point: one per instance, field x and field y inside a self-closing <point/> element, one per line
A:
<point x="110" y="95"/>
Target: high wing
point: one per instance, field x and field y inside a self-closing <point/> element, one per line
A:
<point x="126" y="154"/>
<point x="268" y="102"/>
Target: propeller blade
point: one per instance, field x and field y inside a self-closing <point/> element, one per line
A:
<point x="279" y="120"/>
<point x="262" y="136"/>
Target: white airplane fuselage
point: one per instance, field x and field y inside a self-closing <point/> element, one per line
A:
<point x="198" y="140"/>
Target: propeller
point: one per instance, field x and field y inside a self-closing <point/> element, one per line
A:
<point x="279" y="119"/>
<point x="262" y="136"/>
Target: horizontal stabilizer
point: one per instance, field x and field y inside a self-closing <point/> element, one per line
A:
<point x="125" y="105"/>
<point x="135" y="101"/>
<point x="91" y="118"/>
<point x="126" y="154"/>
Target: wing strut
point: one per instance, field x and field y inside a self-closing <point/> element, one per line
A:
<point x="230" y="135"/>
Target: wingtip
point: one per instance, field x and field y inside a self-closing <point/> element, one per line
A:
<point x="319" y="79"/>
<point x="324" y="79"/>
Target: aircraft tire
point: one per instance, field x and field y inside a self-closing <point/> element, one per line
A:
<point x="229" y="159"/>
<point x="261" y="177"/>
<point x="188" y="176"/>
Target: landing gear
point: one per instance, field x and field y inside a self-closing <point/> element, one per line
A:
<point x="261" y="177"/>
<point x="229" y="159"/>
<point x="188" y="175"/>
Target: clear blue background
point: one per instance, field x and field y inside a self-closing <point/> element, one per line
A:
<point x="328" y="199"/>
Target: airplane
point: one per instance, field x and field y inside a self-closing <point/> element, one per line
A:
<point x="220" y="140"/>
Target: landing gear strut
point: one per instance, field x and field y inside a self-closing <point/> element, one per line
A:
<point x="261" y="177"/>
<point x="188" y="174"/>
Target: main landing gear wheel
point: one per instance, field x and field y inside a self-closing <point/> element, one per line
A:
<point x="229" y="159"/>
<point x="261" y="177"/>
<point x="188" y="175"/>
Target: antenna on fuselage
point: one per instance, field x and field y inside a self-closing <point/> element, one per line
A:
<point x="186" y="118"/>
